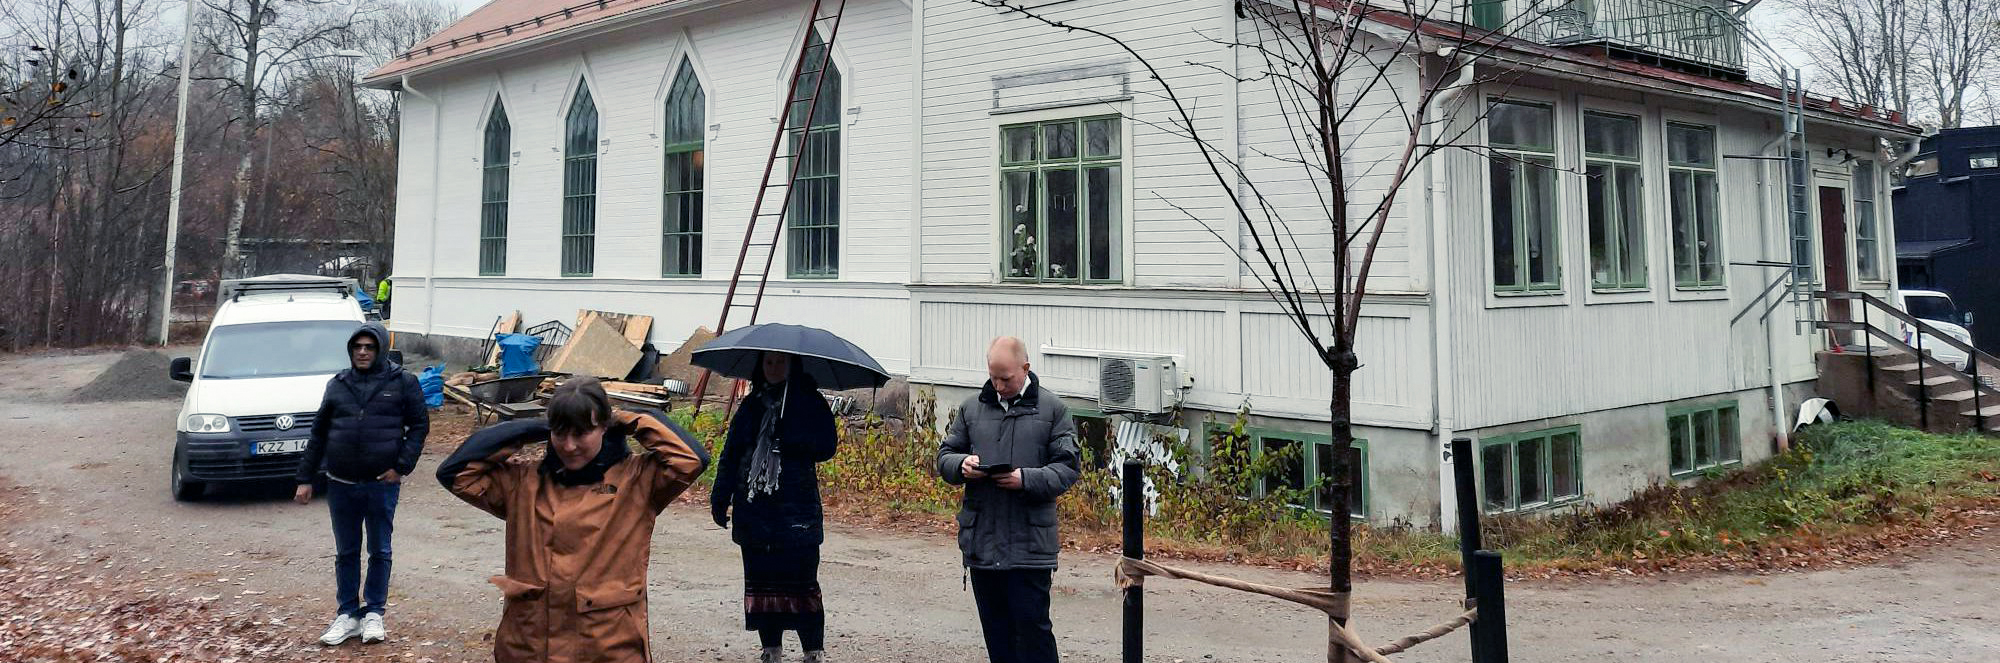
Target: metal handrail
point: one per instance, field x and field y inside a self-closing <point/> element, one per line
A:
<point x="1907" y="319"/>
<point x="1921" y="329"/>
<point x="1692" y="31"/>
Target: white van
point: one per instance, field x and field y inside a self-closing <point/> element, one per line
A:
<point x="258" y="380"/>
<point x="1937" y="310"/>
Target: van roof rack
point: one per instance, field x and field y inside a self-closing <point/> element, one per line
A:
<point x="234" y="289"/>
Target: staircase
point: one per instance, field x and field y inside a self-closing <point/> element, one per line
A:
<point x="1874" y="372"/>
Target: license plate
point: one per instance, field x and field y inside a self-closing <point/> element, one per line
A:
<point x="278" y="447"/>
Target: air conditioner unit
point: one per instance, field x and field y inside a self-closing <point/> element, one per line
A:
<point x="1135" y="383"/>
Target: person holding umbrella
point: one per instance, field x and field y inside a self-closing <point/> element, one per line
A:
<point x="768" y="475"/>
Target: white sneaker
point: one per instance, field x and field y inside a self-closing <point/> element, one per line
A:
<point x="344" y="627"/>
<point x="372" y="630"/>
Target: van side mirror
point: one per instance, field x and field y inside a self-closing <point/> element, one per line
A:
<point x="396" y="356"/>
<point x="182" y="369"/>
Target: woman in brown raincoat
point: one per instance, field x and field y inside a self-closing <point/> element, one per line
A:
<point x="579" y="524"/>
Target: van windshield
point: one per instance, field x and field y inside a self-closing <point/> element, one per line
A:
<point x="277" y="349"/>
<point x="1926" y="307"/>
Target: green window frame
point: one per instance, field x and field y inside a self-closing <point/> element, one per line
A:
<point x="579" y="213"/>
<point x="1486" y="14"/>
<point x="1701" y="437"/>
<point x="681" y="210"/>
<point x="1526" y="207"/>
<point x="812" y="218"/>
<point x="1615" y="199"/>
<point x="1062" y="191"/>
<point x="1867" y="232"/>
<point x="1695" y="204"/>
<point x="1094" y="433"/>
<point x="494" y="175"/>
<point x="1311" y="468"/>
<point x="1532" y="470"/>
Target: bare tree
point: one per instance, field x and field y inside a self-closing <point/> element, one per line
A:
<point x="1931" y="58"/>
<point x="1865" y="49"/>
<point x="260" y="39"/>
<point x="1960" y="54"/>
<point x="1367" y="93"/>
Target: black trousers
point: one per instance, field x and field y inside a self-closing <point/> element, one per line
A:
<point x="1014" y="613"/>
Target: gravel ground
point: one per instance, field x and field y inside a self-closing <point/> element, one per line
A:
<point x="91" y="481"/>
<point x="138" y="375"/>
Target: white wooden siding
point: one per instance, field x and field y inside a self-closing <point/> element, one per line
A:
<point x="1530" y="358"/>
<point x="744" y="77"/>
<point x="1234" y="345"/>
<point x="1275" y="132"/>
<point x="1165" y="248"/>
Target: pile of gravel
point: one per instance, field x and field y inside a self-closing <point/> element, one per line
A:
<point x="140" y="375"/>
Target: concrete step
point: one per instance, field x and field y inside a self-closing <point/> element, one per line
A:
<point x="1962" y="396"/>
<point x="1990" y="411"/>
<point x="1902" y="367"/>
<point x="1940" y="381"/>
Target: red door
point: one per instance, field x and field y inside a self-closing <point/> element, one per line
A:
<point x="1833" y="247"/>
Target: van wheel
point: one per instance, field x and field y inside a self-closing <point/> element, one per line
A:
<point x="184" y="489"/>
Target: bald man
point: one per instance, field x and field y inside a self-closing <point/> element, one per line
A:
<point x="1013" y="447"/>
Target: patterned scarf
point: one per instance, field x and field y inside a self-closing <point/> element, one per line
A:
<point x="764" y="459"/>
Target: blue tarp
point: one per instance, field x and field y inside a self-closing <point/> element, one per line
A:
<point x="517" y="354"/>
<point x="432" y="381"/>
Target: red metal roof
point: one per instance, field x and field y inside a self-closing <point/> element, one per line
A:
<point x="504" y="22"/>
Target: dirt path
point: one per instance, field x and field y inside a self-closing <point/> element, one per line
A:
<point x="91" y="480"/>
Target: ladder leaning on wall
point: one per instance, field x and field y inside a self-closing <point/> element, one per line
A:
<point x="774" y="195"/>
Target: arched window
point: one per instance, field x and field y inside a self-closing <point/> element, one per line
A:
<point x="814" y="216"/>
<point x="493" y="194"/>
<point x="579" y="238"/>
<point x="680" y="249"/>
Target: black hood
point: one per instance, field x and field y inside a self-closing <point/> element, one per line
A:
<point x="1030" y="395"/>
<point x="382" y="363"/>
<point x="612" y="451"/>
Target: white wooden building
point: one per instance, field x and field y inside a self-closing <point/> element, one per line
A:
<point x="1587" y="363"/>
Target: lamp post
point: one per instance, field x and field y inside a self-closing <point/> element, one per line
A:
<point x="180" y="164"/>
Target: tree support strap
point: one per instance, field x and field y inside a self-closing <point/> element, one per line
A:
<point x="1132" y="573"/>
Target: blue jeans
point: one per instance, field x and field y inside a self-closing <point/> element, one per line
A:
<point x="369" y="506"/>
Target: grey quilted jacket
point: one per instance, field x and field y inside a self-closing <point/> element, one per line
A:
<point x="1001" y="529"/>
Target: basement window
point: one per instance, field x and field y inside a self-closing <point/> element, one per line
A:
<point x="1702" y="437"/>
<point x="1307" y="466"/>
<point x="1532" y="470"/>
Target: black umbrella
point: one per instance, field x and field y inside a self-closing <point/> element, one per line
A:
<point x="832" y="362"/>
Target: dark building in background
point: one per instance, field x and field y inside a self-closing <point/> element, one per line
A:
<point x="1948" y="224"/>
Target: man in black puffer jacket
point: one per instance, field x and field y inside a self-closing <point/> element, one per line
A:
<point x="369" y="431"/>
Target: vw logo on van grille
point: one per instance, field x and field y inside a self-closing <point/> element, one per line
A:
<point x="285" y="422"/>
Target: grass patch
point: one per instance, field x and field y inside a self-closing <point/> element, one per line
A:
<point x="1840" y="481"/>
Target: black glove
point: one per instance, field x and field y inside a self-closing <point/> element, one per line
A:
<point x="721" y="512"/>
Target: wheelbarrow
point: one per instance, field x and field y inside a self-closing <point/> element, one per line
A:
<point x="505" y="398"/>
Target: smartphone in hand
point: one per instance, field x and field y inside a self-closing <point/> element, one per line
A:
<point x="995" y="469"/>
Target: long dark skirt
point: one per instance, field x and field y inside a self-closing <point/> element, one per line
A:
<point x="781" y="588"/>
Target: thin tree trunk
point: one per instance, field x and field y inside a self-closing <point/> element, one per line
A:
<point x="232" y="241"/>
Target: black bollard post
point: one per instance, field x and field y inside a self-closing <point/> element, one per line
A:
<point x="1489" y="641"/>
<point x="1468" y="525"/>
<point x="1132" y="497"/>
